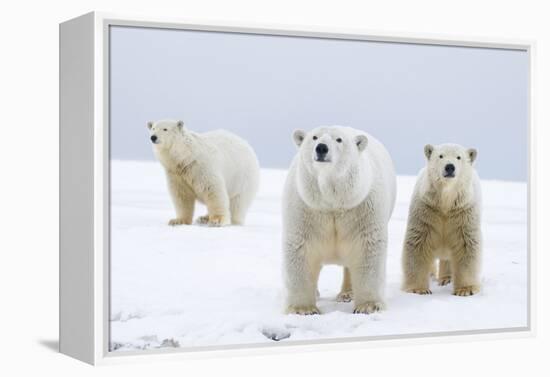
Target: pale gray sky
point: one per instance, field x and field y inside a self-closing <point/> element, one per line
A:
<point x="263" y="87"/>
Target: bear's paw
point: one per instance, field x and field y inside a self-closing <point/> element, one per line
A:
<point x="469" y="290"/>
<point x="218" y="220"/>
<point x="419" y="291"/>
<point x="178" y="221"/>
<point x="202" y="220"/>
<point x="346" y="296"/>
<point x="368" y="307"/>
<point x="303" y="310"/>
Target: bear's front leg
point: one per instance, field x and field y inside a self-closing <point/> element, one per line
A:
<point x="184" y="202"/>
<point x="465" y="272"/>
<point x="466" y="261"/>
<point x="301" y="274"/>
<point x="417" y="260"/>
<point x="217" y="203"/>
<point x="368" y="272"/>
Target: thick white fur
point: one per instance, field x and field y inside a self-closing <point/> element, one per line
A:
<point x="444" y="223"/>
<point x="216" y="168"/>
<point x="337" y="212"/>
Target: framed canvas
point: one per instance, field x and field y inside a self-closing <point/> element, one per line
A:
<point x="236" y="189"/>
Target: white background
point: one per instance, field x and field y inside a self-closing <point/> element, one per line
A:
<point x="29" y="184"/>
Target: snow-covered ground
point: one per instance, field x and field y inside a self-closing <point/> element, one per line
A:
<point x="192" y="286"/>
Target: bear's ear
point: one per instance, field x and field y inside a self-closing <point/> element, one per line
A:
<point x="361" y="141"/>
<point x="428" y="150"/>
<point x="472" y="153"/>
<point x="150" y="124"/>
<point x="298" y="136"/>
<point x="180" y="125"/>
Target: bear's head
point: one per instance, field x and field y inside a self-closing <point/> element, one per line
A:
<point x="163" y="133"/>
<point x="449" y="164"/>
<point x="329" y="148"/>
<point x="333" y="172"/>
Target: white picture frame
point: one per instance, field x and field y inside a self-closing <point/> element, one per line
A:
<point x="84" y="185"/>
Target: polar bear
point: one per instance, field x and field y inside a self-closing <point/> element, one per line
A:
<point x="216" y="168"/>
<point x="444" y="223"/>
<point x="338" y="198"/>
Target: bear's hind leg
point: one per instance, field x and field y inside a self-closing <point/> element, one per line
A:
<point x="444" y="272"/>
<point x="238" y="206"/>
<point x="346" y="294"/>
<point x="435" y="269"/>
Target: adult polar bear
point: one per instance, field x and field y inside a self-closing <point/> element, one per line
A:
<point x="216" y="168"/>
<point x="338" y="198"/>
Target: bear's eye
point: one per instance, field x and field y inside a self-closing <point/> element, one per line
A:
<point x="440" y="156"/>
<point x="314" y="137"/>
<point x="458" y="157"/>
<point x="165" y="129"/>
<point x="339" y="140"/>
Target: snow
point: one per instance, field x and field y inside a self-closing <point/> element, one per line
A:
<point x="193" y="286"/>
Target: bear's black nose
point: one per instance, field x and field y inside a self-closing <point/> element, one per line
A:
<point x="449" y="168"/>
<point x="321" y="149"/>
<point x="154" y="138"/>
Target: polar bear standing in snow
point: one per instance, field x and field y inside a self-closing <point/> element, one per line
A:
<point x="338" y="199"/>
<point x="216" y="168"/>
<point x="444" y="223"/>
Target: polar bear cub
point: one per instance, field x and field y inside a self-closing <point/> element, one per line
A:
<point x="216" y="168"/>
<point x="338" y="198"/>
<point x="444" y="223"/>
